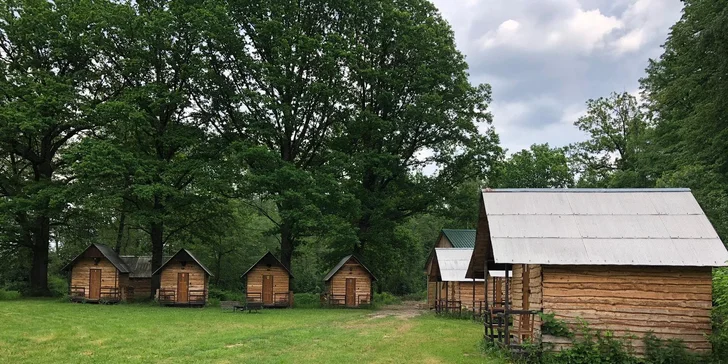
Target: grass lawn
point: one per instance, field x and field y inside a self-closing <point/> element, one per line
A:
<point x="36" y="331"/>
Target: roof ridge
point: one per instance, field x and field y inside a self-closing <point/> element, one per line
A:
<point x="586" y="190"/>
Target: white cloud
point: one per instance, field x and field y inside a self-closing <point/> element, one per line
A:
<point x="591" y="27"/>
<point x="630" y="42"/>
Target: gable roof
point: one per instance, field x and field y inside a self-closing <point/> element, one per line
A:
<point x="453" y="264"/>
<point x="460" y="238"/>
<point x="341" y="264"/>
<point x="271" y="259"/>
<point x="108" y="253"/>
<point x="656" y="227"/>
<point x="190" y="255"/>
<point x="140" y="266"/>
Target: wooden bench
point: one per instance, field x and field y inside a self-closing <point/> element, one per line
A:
<point x="231" y="305"/>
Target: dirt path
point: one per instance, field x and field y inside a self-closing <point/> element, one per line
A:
<point x="405" y="310"/>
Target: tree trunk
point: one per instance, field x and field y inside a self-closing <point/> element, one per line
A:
<point x="120" y="232"/>
<point x="287" y="244"/>
<point x="39" y="269"/>
<point x="157" y="231"/>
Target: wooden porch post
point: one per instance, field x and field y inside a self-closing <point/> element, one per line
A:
<point x="507" y="311"/>
<point x="473" y="296"/>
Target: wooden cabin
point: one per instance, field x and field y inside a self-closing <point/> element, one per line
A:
<point x="97" y="274"/>
<point x="349" y="283"/>
<point x="629" y="261"/>
<point x="138" y="282"/>
<point x="268" y="281"/>
<point x="183" y="280"/>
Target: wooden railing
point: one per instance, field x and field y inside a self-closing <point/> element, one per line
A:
<point x="279" y="299"/>
<point x="448" y="306"/>
<point x="500" y="328"/>
<point x="168" y="296"/>
<point x="362" y="299"/>
<point x="109" y="294"/>
<point x="77" y="292"/>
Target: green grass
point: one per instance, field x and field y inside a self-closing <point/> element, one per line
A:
<point x="36" y="331"/>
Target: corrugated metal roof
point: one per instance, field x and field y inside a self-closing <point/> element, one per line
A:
<point x="460" y="238"/>
<point x="140" y="266"/>
<point x="341" y="264"/>
<point x="453" y="264"/>
<point x="664" y="227"/>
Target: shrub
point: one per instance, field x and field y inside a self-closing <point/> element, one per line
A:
<point x="550" y="325"/>
<point x="306" y="300"/>
<point x="58" y="285"/>
<point x="594" y="347"/>
<point x="719" y="338"/>
<point x="658" y="351"/>
<point x="213" y="302"/>
<point x="417" y="296"/>
<point x="223" y="295"/>
<point x="6" y="295"/>
<point x="386" y="299"/>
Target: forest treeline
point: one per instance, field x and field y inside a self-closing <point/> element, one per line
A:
<point x="313" y="129"/>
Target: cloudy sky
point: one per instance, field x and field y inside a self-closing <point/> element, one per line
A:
<point x="545" y="58"/>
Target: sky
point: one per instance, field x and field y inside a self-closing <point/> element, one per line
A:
<point x="545" y="58"/>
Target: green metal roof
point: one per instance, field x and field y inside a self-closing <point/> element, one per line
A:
<point x="460" y="238"/>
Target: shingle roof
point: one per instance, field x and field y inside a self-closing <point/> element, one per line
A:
<point x="108" y="253"/>
<point x="341" y="264"/>
<point x="460" y="238"/>
<point x="659" y="227"/>
<point x="270" y="259"/>
<point x="140" y="266"/>
<point x="183" y="251"/>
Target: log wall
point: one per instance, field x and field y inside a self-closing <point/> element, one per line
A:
<point x="198" y="277"/>
<point x="351" y="269"/>
<point x="254" y="278"/>
<point x="81" y="270"/>
<point x="535" y="293"/>
<point x="673" y="302"/>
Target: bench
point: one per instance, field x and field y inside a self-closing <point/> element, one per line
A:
<point x="231" y="305"/>
<point x="253" y="306"/>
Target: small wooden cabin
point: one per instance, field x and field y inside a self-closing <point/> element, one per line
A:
<point x="98" y="274"/>
<point x="349" y="283"/>
<point x="183" y="280"/>
<point x="139" y="279"/>
<point x="268" y="281"/>
<point x="629" y="261"/>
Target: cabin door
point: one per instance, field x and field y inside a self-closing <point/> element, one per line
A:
<point x="183" y="287"/>
<point x="351" y="292"/>
<point x="268" y="289"/>
<point x="94" y="284"/>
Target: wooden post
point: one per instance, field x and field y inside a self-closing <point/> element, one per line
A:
<point x="507" y="311"/>
<point x="473" y="296"/>
<point x="447" y="294"/>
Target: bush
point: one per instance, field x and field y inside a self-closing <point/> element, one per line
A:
<point x="658" y="351"/>
<point x="417" y="296"/>
<point x="6" y="295"/>
<point x="306" y="300"/>
<point x="223" y="295"/>
<point x="719" y="338"/>
<point x="595" y="347"/>
<point x="58" y="286"/>
<point x="550" y="325"/>
<point x="212" y="302"/>
<point x="386" y="299"/>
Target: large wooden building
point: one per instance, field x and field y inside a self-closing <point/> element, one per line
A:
<point x="183" y="280"/>
<point x="98" y="274"/>
<point x="630" y="261"/>
<point x="268" y="281"/>
<point x="349" y="283"/>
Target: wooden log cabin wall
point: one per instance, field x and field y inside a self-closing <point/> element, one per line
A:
<point x="183" y="280"/>
<point x="97" y="275"/>
<point x="448" y="238"/>
<point x="349" y="283"/>
<point x="268" y="281"/>
<point x="628" y="261"/>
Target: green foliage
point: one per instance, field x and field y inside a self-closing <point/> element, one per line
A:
<point x="383" y="299"/>
<point x="538" y="167"/>
<point x="6" y="295"/>
<point x="550" y="325"/>
<point x="416" y="296"/>
<point x="719" y="338"/>
<point x="306" y="300"/>
<point x="672" y="351"/>
<point x="223" y="295"/>
<point x="594" y="347"/>
<point x="58" y="285"/>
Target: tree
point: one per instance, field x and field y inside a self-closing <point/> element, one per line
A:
<point x="538" y="167"/>
<point x="52" y="89"/>
<point x="685" y="92"/>
<point x="617" y="130"/>
<point x="165" y="160"/>
<point x="412" y="109"/>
